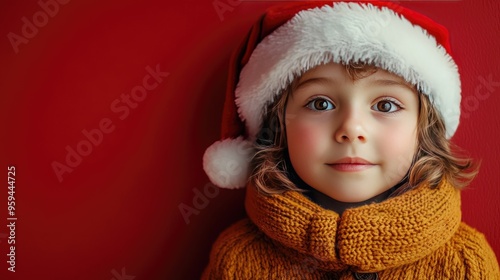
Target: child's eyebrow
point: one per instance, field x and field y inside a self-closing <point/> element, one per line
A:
<point x="316" y="80"/>
<point x="386" y="82"/>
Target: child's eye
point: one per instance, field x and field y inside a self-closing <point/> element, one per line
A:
<point x="387" y="106"/>
<point x="320" y="104"/>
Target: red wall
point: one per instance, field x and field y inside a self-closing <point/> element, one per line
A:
<point x="114" y="213"/>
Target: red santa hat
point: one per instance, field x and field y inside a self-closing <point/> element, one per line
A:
<point x="289" y="40"/>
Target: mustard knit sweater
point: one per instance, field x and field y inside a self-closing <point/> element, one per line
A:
<point x="418" y="235"/>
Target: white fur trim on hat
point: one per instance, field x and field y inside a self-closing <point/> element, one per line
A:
<point x="348" y="32"/>
<point x="226" y="162"/>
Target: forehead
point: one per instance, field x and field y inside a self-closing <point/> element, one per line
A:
<point x="340" y="73"/>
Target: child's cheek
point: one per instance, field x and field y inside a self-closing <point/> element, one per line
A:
<point x="306" y="137"/>
<point x="398" y="144"/>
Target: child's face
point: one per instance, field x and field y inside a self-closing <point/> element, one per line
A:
<point x="330" y="117"/>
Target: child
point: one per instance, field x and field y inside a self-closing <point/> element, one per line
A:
<point x="339" y="126"/>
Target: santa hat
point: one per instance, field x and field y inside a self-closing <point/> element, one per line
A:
<point x="289" y="40"/>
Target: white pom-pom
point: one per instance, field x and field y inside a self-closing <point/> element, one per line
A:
<point x="227" y="162"/>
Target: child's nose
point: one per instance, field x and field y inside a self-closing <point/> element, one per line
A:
<point x="351" y="128"/>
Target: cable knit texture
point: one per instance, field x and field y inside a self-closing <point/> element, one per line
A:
<point x="418" y="235"/>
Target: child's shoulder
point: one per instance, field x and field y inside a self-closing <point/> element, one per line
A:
<point x="238" y="236"/>
<point x="232" y="252"/>
<point x="475" y="252"/>
<point x="469" y="238"/>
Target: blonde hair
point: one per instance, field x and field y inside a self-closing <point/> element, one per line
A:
<point x="436" y="159"/>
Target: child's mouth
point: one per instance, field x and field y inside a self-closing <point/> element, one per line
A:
<point x="350" y="167"/>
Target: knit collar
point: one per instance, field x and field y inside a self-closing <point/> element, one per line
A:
<point x="369" y="238"/>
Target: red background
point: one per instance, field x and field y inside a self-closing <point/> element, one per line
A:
<point x="119" y="207"/>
